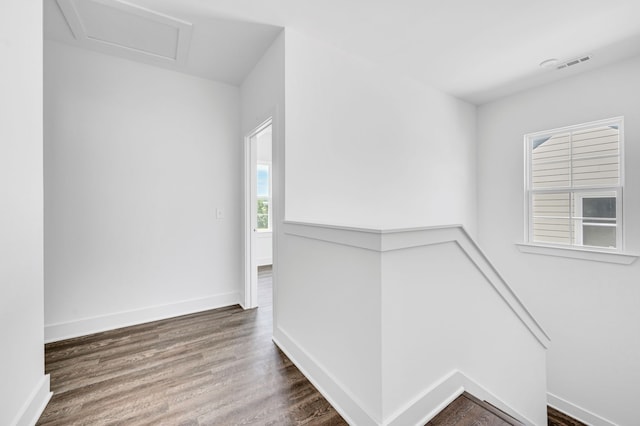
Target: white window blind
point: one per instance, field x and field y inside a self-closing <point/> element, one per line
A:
<point x="574" y="185"/>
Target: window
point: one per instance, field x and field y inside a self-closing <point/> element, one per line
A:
<point x="574" y="182"/>
<point x="264" y="196"/>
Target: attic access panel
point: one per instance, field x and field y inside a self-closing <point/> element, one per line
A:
<point x="120" y="28"/>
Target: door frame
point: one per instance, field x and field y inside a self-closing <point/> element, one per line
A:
<point x="250" y="212"/>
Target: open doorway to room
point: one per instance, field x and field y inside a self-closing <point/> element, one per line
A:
<point x="258" y="215"/>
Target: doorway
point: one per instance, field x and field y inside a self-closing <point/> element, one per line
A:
<point x="258" y="208"/>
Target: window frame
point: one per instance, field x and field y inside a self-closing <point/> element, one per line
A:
<point x="579" y="192"/>
<point x="580" y="219"/>
<point x="268" y="198"/>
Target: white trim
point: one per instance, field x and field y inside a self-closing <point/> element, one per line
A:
<point x="577" y="412"/>
<point x="575" y="127"/>
<point x="575" y="229"/>
<point x="433" y="400"/>
<point x="579" y="219"/>
<point x="277" y="198"/>
<point x="345" y="403"/>
<point x="250" y="215"/>
<point x="438" y="396"/>
<point x="184" y="30"/>
<point x="82" y="327"/>
<point x="397" y="239"/>
<point x="34" y="405"/>
<point x="573" y="252"/>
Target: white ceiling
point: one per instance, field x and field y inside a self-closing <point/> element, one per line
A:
<point x="194" y="43"/>
<point x="476" y="50"/>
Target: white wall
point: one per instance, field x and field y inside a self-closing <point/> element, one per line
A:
<point x="24" y="389"/>
<point x="329" y="322"/>
<point x="589" y="309"/>
<point x="137" y="160"/>
<point x="262" y="94"/>
<point x="392" y="326"/>
<point x="262" y="91"/>
<point x="373" y="149"/>
<point x="441" y="314"/>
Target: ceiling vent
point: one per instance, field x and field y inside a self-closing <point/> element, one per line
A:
<point x="573" y="62"/>
<point x="117" y="27"/>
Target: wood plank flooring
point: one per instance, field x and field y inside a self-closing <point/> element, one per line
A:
<point x="466" y="410"/>
<point x="217" y="367"/>
<point x="556" y="418"/>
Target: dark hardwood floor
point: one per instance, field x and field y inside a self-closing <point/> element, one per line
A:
<point x="216" y="367"/>
<point x="556" y="418"/>
<point x="466" y="410"/>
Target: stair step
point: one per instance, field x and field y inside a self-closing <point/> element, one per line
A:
<point x="557" y="418"/>
<point x="467" y="410"/>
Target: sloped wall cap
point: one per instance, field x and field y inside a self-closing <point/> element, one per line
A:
<point x="384" y="240"/>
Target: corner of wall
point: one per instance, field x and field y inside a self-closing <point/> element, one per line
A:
<point x="36" y="403"/>
<point x="349" y="407"/>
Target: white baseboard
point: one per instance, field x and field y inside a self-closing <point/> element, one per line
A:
<point x="341" y="399"/>
<point x="264" y="261"/>
<point x="428" y="404"/>
<point x="578" y="413"/>
<point x="416" y="412"/>
<point x="82" y="327"/>
<point x="34" y="406"/>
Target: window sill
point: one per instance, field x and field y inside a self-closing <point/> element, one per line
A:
<point x="578" y="253"/>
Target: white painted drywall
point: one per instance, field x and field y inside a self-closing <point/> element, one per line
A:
<point x="23" y="388"/>
<point x="262" y="96"/>
<point x="264" y="248"/>
<point x="329" y="311"/>
<point x="441" y="314"/>
<point x="370" y="148"/>
<point x="137" y="161"/>
<point x="590" y="309"/>
<point x="378" y="321"/>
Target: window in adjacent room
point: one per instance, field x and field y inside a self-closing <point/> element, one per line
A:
<point x="264" y="196"/>
<point x="574" y="182"/>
